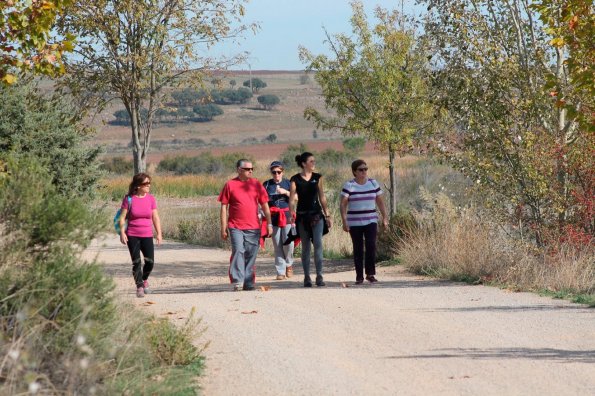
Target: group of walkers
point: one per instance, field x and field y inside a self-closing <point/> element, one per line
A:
<point x="286" y="210"/>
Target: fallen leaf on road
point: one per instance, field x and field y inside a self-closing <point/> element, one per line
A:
<point x="249" y="312"/>
<point x="169" y="313"/>
<point x="149" y="303"/>
<point x="344" y="284"/>
<point x="265" y="288"/>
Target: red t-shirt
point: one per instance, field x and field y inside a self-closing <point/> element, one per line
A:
<point x="243" y="198"/>
<point x="140" y="221"/>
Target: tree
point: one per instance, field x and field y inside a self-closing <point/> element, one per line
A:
<point x="49" y="128"/>
<point x="131" y="50"/>
<point x="268" y="101"/>
<point x="272" y="138"/>
<point x="375" y="85"/>
<point x="232" y="83"/>
<point x="207" y="112"/>
<point x="189" y="96"/>
<point x="257" y="84"/>
<point x="26" y="41"/>
<point x="499" y="78"/>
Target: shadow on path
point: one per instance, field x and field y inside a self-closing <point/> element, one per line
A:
<point x="560" y="355"/>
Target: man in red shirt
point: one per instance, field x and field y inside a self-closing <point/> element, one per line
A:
<point x="240" y="199"/>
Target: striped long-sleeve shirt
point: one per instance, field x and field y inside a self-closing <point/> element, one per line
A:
<point x="361" y="207"/>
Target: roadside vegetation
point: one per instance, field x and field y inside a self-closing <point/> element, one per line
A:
<point x="62" y="330"/>
<point x="509" y="108"/>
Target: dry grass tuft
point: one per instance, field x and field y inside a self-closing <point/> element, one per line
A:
<point x="461" y="245"/>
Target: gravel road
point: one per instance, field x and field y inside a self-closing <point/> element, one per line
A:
<point x="405" y="335"/>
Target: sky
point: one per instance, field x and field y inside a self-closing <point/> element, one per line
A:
<point x="287" y="24"/>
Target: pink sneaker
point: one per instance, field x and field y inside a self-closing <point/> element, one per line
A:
<point x="140" y="292"/>
<point x="146" y="287"/>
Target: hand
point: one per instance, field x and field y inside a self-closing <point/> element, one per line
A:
<point x="281" y="190"/>
<point x="385" y="223"/>
<point x="329" y="222"/>
<point x="159" y="239"/>
<point x="345" y="227"/>
<point x="224" y="234"/>
<point x="123" y="238"/>
<point x="269" y="230"/>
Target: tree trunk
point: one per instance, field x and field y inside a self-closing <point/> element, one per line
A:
<point x="393" y="182"/>
<point x="139" y="149"/>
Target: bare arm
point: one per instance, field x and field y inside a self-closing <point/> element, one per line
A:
<point x="157" y="225"/>
<point x="267" y="216"/>
<point x="122" y="221"/>
<point x="344" y="203"/>
<point x="323" y="203"/>
<point x="382" y="208"/>
<point x="223" y="216"/>
<point x="293" y="198"/>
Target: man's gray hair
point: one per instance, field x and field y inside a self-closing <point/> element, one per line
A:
<point x="241" y="162"/>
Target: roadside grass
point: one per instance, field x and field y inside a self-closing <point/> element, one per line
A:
<point x="463" y="245"/>
<point x="62" y="330"/>
<point x="198" y="221"/>
<point x="185" y="186"/>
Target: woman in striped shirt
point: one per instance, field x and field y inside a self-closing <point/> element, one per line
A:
<point x="359" y="199"/>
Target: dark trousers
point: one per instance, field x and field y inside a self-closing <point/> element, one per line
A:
<point x="136" y="245"/>
<point x="361" y="235"/>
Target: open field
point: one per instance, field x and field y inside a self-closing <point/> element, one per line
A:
<point x="241" y="127"/>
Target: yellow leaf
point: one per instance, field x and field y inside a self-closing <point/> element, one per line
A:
<point x="9" y="79"/>
<point x="557" y="42"/>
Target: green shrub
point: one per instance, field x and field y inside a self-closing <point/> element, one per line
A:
<point x="173" y="345"/>
<point x="49" y="128"/>
<point x="206" y="112"/>
<point x="118" y="166"/>
<point x="354" y="145"/>
<point x="60" y="328"/>
<point x="268" y="101"/>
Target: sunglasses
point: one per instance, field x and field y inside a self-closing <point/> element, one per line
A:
<point x="276" y="172"/>
<point x="362" y="169"/>
<point x="145" y="184"/>
<point x="248" y="169"/>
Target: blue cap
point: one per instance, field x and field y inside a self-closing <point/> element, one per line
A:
<point x="276" y="164"/>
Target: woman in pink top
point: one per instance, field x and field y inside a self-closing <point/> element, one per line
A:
<point x="139" y="234"/>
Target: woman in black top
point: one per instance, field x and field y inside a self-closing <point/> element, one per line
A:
<point x="307" y="190"/>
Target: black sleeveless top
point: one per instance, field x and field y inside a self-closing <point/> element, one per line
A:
<point x="307" y="192"/>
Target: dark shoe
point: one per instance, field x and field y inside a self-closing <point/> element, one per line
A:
<point x="359" y="281"/>
<point x="371" y="279"/>
<point x="248" y="287"/>
<point x="319" y="281"/>
<point x="307" y="281"/>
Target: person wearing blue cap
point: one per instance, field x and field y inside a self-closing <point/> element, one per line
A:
<point x="277" y="188"/>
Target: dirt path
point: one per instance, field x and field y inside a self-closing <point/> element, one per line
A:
<point x="405" y="335"/>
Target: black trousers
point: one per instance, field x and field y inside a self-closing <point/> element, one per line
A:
<point x="360" y="236"/>
<point x="136" y="245"/>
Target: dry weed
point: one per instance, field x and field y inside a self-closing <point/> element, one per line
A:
<point x="460" y="244"/>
